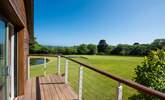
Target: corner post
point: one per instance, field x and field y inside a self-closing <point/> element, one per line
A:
<point x="80" y="83"/>
<point x="58" y="65"/>
<point x="66" y="71"/>
<point x="28" y="67"/>
<point x="45" y="66"/>
<point x="119" y="92"/>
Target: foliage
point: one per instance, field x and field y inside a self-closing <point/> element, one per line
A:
<point x="122" y="49"/>
<point x="34" y="46"/>
<point x="152" y="73"/>
<point x="102" y="46"/>
<point x="82" y="49"/>
<point x="142" y="49"/>
<point x="92" y="49"/>
<point x="136" y="43"/>
<point x="108" y="50"/>
<point x="71" y="50"/>
<point x="158" y="44"/>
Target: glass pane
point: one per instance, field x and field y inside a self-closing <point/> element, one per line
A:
<point x="2" y="60"/>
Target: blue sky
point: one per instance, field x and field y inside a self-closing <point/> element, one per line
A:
<point x="73" y="22"/>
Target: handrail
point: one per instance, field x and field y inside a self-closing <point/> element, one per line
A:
<point x="129" y="83"/>
<point x="47" y="55"/>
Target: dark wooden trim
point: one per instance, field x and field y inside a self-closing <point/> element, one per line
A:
<point x="38" y="90"/>
<point x="7" y="10"/>
<point x="29" y="7"/>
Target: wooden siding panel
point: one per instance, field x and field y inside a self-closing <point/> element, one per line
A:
<point x="21" y="60"/>
<point x="16" y="11"/>
<point x="19" y="8"/>
<point x="26" y="51"/>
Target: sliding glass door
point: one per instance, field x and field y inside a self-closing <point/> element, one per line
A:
<point x="3" y="61"/>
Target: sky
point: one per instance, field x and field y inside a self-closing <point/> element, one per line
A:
<point x="73" y="22"/>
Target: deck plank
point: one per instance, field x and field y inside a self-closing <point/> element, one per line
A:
<point x="28" y="90"/>
<point x="51" y="87"/>
<point x="69" y="90"/>
<point x="33" y="93"/>
<point x="64" y="90"/>
<point x="41" y="89"/>
<point x="56" y="85"/>
<point x="54" y="93"/>
<point x="46" y="89"/>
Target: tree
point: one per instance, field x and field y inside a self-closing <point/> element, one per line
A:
<point x="151" y="73"/>
<point x="136" y="43"/>
<point x="92" y="49"/>
<point x="34" y="46"/>
<point x="141" y="49"/>
<point x="70" y="50"/>
<point x="102" y="47"/>
<point x="82" y="49"/>
<point x="43" y="50"/>
<point x="158" y="44"/>
<point x="122" y="49"/>
<point x="108" y="50"/>
<point x="60" y="50"/>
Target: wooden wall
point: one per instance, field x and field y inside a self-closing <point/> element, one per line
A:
<point x="19" y="8"/>
<point x="23" y="44"/>
<point x="20" y="14"/>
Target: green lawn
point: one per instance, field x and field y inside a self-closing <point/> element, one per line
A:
<point x="96" y="86"/>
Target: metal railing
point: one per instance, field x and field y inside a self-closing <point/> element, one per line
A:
<point x="45" y="66"/>
<point x="120" y="80"/>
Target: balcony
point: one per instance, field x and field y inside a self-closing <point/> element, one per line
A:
<point x="58" y="86"/>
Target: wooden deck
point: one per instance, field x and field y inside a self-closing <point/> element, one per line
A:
<point x="51" y="87"/>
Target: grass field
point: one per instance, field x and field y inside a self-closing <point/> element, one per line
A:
<point x="96" y="86"/>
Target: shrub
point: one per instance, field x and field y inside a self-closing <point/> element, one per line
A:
<point x="152" y="73"/>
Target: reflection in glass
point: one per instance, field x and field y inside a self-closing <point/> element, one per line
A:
<point x="2" y="60"/>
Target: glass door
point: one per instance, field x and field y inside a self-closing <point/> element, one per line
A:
<point x="3" y="61"/>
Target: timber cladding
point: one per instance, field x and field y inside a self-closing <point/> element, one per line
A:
<point x="21" y="63"/>
<point x="20" y="14"/>
<point x="19" y="8"/>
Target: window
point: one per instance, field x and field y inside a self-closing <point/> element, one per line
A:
<point x="3" y="60"/>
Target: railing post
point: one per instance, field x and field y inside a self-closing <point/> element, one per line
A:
<point x="45" y="66"/>
<point x="119" y="92"/>
<point x="66" y="71"/>
<point x="28" y="67"/>
<point x="58" y="65"/>
<point x="80" y="83"/>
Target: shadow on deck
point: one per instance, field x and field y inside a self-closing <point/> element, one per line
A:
<point x="51" y="87"/>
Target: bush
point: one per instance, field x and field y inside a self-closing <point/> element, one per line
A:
<point x="152" y="73"/>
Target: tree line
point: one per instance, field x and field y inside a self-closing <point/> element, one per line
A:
<point x="102" y="48"/>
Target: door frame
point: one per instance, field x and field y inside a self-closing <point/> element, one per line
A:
<point x="9" y="49"/>
<point x="12" y="59"/>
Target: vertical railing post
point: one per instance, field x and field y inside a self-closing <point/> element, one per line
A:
<point x="28" y="67"/>
<point x="66" y="71"/>
<point x="80" y="83"/>
<point x="45" y="69"/>
<point x="119" y="92"/>
<point x="58" y="65"/>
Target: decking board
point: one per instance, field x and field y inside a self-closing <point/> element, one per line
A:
<point x="51" y="87"/>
